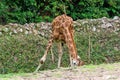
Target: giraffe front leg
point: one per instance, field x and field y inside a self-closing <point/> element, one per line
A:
<point x="70" y="60"/>
<point x="42" y="60"/>
<point x="71" y="67"/>
<point x="52" y="55"/>
<point x="60" y="54"/>
<point x="73" y="62"/>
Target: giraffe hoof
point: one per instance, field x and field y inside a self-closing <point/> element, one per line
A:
<point x="41" y="61"/>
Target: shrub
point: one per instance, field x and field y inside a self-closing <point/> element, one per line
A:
<point x="21" y="53"/>
<point x="36" y="11"/>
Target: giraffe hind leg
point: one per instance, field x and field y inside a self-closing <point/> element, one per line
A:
<point x="60" y="53"/>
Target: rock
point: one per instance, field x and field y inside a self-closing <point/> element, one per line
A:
<point x="20" y="30"/>
<point x="14" y="31"/>
<point x="26" y="32"/>
<point x="0" y="33"/>
<point x="94" y="28"/>
<point x="115" y="17"/>
<point x="5" y="29"/>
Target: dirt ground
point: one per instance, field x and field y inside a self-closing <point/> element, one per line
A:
<point x="87" y="72"/>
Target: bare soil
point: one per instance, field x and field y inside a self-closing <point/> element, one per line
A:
<point x="87" y="72"/>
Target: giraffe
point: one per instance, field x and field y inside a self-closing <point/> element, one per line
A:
<point x="63" y="33"/>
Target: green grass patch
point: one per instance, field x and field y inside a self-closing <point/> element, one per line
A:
<point x="11" y="75"/>
<point x="58" y="72"/>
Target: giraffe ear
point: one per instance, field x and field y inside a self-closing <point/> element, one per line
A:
<point x="78" y="57"/>
<point x="81" y="63"/>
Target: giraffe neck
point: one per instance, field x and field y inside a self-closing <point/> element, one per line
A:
<point x="70" y="43"/>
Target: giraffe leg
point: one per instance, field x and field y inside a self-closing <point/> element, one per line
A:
<point x="60" y="53"/>
<point x="42" y="60"/>
<point x="70" y="60"/>
<point x="52" y="55"/>
<point x="72" y="66"/>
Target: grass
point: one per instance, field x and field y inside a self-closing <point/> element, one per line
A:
<point x="12" y="76"/>
<point x="106" y="66"/>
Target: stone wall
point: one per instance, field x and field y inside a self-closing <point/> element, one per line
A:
<point x="44" y="29"/>
<point x="112" y="25"/>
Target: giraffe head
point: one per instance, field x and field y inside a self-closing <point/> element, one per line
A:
<point x="77" y="62"/>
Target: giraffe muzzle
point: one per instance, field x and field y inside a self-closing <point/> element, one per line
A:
<point x="75" y="62"/>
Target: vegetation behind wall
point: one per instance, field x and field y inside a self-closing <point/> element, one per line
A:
<point x="27" y="11"/>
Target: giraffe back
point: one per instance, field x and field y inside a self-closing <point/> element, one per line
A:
<point x="61" y="23"/>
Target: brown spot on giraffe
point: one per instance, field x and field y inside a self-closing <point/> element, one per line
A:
<point x="63" y="32"/>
